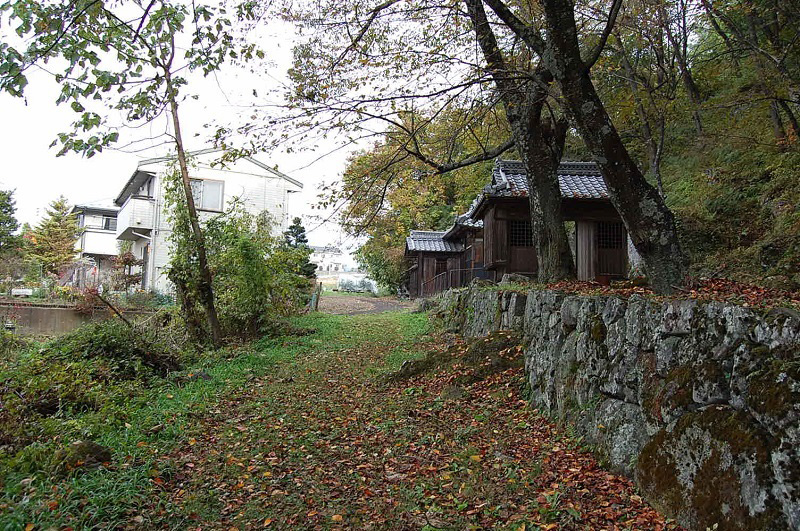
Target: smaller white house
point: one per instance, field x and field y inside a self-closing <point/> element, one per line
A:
<point x="97" y="245"/>
<point x="328" y="259"/>
<point x="144" y="218"/>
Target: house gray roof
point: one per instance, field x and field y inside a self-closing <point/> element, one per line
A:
<point x="100" y="207"/>
<point x="465" y="221"/>
<point x="577" y="180"/>
<point x="431" y="241"/>
<point x="135" y="182"/>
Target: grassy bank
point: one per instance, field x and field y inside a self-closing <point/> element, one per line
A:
<point x="141" y="422"/>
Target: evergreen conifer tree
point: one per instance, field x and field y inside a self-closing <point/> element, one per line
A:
<point x="295" y="236"/>
<point x="9" y="241"/>
<point x="55" y="236"/>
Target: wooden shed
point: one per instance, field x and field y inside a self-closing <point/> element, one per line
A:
<point x="431" y="257"/>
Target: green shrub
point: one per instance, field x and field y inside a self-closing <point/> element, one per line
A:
<point x="80" y="384"/>
<point x="147" y="300"/>
<point x="256" y="277"/>
<point x="128" y="350"/>
<point x="10" y="344"/>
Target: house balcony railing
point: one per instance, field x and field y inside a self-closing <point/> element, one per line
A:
<point x="136" y="217"/>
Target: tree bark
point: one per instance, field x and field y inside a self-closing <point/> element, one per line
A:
<point x="792" y="120"/>
<point x="186" y="302"/>
<point x="777" y="124"/>
<point x="205" y="288"/>
<point x="650" y="224"/>
<point x="552" y="246"/>
<point x="540" y="146"/>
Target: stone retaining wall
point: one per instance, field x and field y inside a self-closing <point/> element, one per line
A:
<point x="698" y="402"/>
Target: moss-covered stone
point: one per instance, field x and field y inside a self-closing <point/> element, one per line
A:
<point x="774" y="393"/>
<point x="598" y="329"/>
<point x="709" y="394"/>
<point x="80" y="455"/>
<point x="710" y="384"/>
<point x="712" y="469"/>
<point x="650" y="385"/>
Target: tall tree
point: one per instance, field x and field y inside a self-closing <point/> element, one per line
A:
<point x="765" y="33"/>
<point x="358" y="81"/>
<point x="295" y="236"/>
<point x="539" y="142"/>
<point x="642" y="55"/>
<point x="422" y="56"/>
<point x="650" y="224"/>
<point x="9" y="240"/>
<point x="55" y="236"/>
<point x="125" y="57"/>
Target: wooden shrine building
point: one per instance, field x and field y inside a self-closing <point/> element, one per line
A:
<point x="494" y="237"/>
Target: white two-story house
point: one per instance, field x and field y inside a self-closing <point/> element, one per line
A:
<point x="144" y="220"/>
<point x="97" y="244"/>
<point x="328" y="259"/>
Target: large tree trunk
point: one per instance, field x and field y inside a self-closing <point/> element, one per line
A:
<point x="205" y="288"/>
<point x="539" y="146"/>
<point x="649" y="222"/>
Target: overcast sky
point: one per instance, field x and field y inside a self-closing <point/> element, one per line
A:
<point x="32" y="169"/>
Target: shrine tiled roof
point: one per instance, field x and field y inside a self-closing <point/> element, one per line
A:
<point x="577" y="180"/>
<point x="431" y="241"/>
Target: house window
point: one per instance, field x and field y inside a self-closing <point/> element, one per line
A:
<point x="521" y="233"/>
<point x="441" y="266"/>
<point x="207" y="194"/>
<point x="109" y="223"/>
<point x="610" y="235"/>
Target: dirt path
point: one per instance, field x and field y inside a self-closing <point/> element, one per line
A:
<point x="321" y="442"/>
<point x="360" y="304"/>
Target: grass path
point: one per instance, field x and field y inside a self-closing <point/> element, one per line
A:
<point x="320" y="443"/>
<point x="302" y="433"/>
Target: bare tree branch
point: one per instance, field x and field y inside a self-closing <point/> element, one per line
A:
<point x="529" y="34"/>
<point x="598" y="50"/>
<point x="373" y="15"/>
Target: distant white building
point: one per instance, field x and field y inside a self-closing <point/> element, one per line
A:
<point x="143" y="218"/>
<point x="97" y="245"/>
<point x="328" y="259"/>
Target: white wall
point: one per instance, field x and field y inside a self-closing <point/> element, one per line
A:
<point x="98" y="241"/>
<point x="95" y="239"/>
<point x="258" y="190"/>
